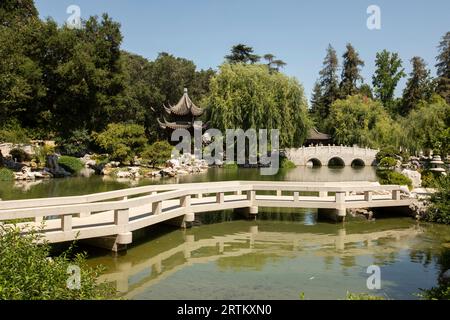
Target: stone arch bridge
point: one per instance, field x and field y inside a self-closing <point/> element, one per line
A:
<point x="332" y="155"/>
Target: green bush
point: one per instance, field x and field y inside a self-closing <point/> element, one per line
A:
<point x="28" y="272"/>
<point x="157" y="153"/>
<point x="76" y="145"/>
<point x="439" y="211"/>
<point x="12" y="132"/>
<point x="70" y="164"/>
<point x="43" y="152"/>
<point x="287" y="164"/>
<point x="387" y="162"/>
<point x="6" y="175"/>
<point x="390" y="152"/>
<point x="122" y="141"/>
<point x="393" y="177"/>
<point x="429" y="179"/>
<point x="19" y="155"/>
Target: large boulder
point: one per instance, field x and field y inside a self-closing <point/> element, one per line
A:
<point x="415" y="177"/>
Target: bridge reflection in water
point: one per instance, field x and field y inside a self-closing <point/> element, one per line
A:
<point x="247" y="246"/>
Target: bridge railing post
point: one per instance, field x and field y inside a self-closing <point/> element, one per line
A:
<point x="185" y="201"/>
<point x="121" y="217"/>
<point x="340" y="197"/>
<point x="296" y="196"/>
<point x="279" y="193"/>
<point x="220" y="197"/>
<point x="368" y="195"/>
<point x="157" y="207"/>
<point x="66" y="223"/>
<point x="395" y="194"/>
<point x="251" y="196"/>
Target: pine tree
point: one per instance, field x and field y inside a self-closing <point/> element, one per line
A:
<point x="418" y="86"/>
<point x="443" y="68"/>
<point x="317" y="110"/>
<point x="242" y="53"/>
<point x="387" y="75"/>
<point x="350" y="72"/>
<point x="329" y="82"/>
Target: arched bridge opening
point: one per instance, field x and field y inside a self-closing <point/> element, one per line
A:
<point x="336" y="162"/>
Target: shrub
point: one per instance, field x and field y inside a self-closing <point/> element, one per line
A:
<point x="429" y="179"/>
<point x="386" y="152"/>
<point x="392" y="177"/>
<point x="442" y="292"/>
<point x="76" y="145"/>
<point x="27" y="272"/>
<point x="157" y="153"/>
<point x="122" y="141"/>
<point x="387" y="162"/>
<point x="287" y="164"/>
<point x="439" y="211"/>
<point x="6" y="175"/>
<point x="43" y="152"/>
<point x="12" y="132"/>
<point x="71" y="164"/>
<point x="19" y="155"/>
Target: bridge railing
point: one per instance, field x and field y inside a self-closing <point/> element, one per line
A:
<point x="66" y="208"/>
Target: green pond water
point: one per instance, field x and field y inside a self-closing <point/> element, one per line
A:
<point x="278" y="256"/>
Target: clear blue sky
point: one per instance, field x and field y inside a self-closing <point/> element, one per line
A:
<point x="297" y="32"/>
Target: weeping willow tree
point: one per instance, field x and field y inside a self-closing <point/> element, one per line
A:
<point x="251" y="97"/>
<point x="427" y="126"/>
<point x="362" y="121"/>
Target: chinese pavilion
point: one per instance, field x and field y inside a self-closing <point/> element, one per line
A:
<point x="182" y="115"/>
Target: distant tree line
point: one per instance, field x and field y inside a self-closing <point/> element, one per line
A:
<point x="356" y="113"/>
<point x="71" y="84"/>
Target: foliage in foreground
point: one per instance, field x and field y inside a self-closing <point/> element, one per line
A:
<point x="71" y="164"/>
<point x="442" y="292"/>
<point x="362" y="296"/>
<point x="28" y="273"/>
<point x="439" y="211"/>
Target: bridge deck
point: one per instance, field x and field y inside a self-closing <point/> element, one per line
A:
<point x="124" y="211"/>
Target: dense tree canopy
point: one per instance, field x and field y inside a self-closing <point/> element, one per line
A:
<point x="427" y="126"/>
<point x="443" y="67"/>
<point x="326" y="90"/>
<point x="250" y="96"/>
<point x="388" y="73"/>
<point x="360" y="120"/>
<point x="350" y="72"/>
<point x="418" y="87"/>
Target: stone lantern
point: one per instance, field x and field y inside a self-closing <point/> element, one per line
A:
<point x="437" y="164"/>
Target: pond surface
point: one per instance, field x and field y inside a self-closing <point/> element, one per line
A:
<point x="279" y="256"/>
<point x="81" y="186"/>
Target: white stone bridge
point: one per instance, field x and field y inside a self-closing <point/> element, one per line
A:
<point x="108" y="219"/>
<point x="332" y="155"/>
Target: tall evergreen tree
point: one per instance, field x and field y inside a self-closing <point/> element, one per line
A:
<point x="418" y="86"/>
<point x="16" y="11"/>
<point x="317" y="110"/>
<point x="443" y="68"/>
<point x="350" y="72"/>
<point x="329" y="82"/>
<point x="388" y="73"/>
<point x="242" y="53"/>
